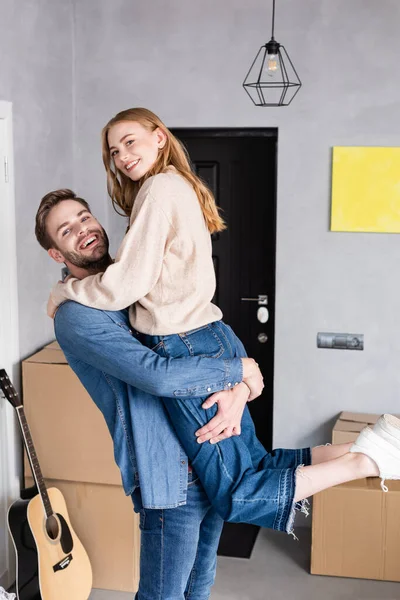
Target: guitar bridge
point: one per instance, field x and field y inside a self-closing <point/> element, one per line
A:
<point x="63" y="564"/>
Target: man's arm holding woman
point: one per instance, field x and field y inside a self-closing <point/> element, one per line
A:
<point x="96" y="339"/>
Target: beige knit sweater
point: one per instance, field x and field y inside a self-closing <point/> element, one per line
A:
<point x="163" y="270"/>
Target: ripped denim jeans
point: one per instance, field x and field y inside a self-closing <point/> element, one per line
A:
<point x="243" y="481"/>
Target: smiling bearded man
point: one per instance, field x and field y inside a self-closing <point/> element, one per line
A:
<point x="71" y="234"/>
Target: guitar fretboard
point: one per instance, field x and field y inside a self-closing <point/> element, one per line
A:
<point x="37" y="473"/>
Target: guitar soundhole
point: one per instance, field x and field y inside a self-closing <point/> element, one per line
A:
<point x="52" y="527"/>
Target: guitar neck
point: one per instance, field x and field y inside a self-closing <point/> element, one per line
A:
<point x="34" y="462"/>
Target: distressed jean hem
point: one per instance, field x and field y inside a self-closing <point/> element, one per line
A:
<point x="289" y="507"/>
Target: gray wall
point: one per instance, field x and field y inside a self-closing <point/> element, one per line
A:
<point x="36" y="75"/>
<point x="186" y="61"/>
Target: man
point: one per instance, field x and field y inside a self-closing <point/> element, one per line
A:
<point x="126" y="381"/>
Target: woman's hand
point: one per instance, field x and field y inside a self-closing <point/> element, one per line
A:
<point x="51" y="307"/>
<point x="252" y="377"/>
<point x="51" y="304"/>
<point x="227" y="421"/>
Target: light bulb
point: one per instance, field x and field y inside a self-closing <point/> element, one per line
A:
<point x="272" y="62"/>
<point x="272" y="66"/>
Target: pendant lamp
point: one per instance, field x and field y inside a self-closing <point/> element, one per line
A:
<point x="272" y="79"/>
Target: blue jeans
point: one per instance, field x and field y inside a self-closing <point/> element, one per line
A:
<point x="178" y="554"/>
<point x="242" y="480"/>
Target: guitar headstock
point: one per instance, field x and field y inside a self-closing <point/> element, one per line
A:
<point x="8" y="389"/>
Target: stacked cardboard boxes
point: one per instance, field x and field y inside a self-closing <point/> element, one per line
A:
<point x="356" y="526"/>
<point x="75" y="452"/>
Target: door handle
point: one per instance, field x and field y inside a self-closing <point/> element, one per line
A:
<point x="262" y="312"/>
<point x="262" y="299"/>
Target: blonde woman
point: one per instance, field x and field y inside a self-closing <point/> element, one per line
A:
<point x="164" y="272"/>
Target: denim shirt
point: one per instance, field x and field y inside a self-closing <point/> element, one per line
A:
<point x="125" y="379"/>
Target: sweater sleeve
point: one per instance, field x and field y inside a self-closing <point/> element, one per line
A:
<point x="136" y="269"/>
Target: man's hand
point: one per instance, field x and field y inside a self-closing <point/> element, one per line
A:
<point x="227" y="421"/>
<point x="252" y="377"/>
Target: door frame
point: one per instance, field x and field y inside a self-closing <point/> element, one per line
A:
<point x="10" y="457"/>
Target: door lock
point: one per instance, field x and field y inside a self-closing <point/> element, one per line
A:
<point x="262" y="338"/>
<point x="263" y="314"/>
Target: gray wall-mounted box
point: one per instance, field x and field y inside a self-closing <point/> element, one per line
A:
<point x="341" y="341"/>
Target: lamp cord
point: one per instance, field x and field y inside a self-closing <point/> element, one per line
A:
<point x="273" y="18"/>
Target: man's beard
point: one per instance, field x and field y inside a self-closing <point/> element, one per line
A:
<point x="92" y="264"/>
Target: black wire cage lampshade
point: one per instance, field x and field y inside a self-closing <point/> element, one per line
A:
<point x="272" y="79"/>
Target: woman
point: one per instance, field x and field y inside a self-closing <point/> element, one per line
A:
<point x="164" y="272"/>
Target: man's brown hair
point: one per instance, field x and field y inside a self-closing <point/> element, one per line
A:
<point x="48" y="202"/>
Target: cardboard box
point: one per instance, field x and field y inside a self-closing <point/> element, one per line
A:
<point x="75" y="452"/>
<point x="103" y="519"/>
<point x="356" y="531"/>
<point x="349" y="425"/>
<point x="65" y="423"/>
<point x="356" y="526"/>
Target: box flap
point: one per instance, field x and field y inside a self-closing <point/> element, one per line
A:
<point x="354" y="422"/>
<point x="54" y="345"/>
<point x="352" y="426"/>
<point x="353" y="417"/>
<point x="48" y="355"/>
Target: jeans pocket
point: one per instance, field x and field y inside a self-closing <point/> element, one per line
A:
<point x="203" y="342"/>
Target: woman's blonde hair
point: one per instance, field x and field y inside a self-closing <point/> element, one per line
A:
<point x="123" y="191"/>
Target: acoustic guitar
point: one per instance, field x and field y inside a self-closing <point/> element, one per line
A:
<point x="52" y="564"/>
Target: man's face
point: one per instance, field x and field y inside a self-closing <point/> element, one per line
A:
<point x="78" y="237"/>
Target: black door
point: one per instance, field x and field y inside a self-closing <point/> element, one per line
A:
<point x="239" y="165"/>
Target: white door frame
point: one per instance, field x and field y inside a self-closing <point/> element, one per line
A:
<point x="10" y="459"/>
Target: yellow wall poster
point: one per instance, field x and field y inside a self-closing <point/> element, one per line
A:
<point x="366" y="189"/>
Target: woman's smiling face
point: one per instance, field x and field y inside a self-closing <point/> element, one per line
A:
<point x="134" y="148"/>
